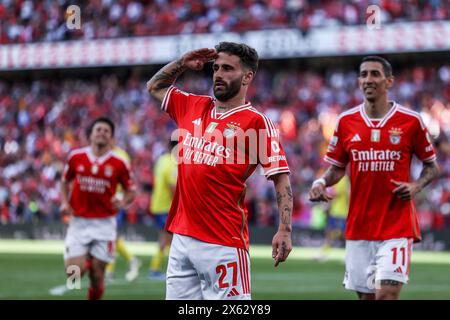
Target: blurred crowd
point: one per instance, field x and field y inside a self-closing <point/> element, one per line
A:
<point x="43" y="119"/>
<point x="23" y="21"/>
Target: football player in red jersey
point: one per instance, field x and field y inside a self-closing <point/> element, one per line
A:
<point x="378" y="140"/>
<point x="209" y="256"/>
<point x="88" y="189"/>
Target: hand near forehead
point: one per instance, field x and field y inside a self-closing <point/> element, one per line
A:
<point x="196" y="59"/>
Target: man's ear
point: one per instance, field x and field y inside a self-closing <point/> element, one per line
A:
<point x="248" y="77"/>
<point x="390" y="82"/>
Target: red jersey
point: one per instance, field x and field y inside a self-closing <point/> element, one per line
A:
<point x="95" y="181"/>
<point x="217" y="153"/>
<point x="379" y="150"/>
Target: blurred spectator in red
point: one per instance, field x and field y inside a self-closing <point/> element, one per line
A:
<point x="32" y="20"/>
<point x="41" y="120"/>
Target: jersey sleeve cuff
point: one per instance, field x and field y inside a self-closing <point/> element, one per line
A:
<point x="275" y="171"/>
<point x="334" y="162"/>
<point x="430" y="159"/>
<point x="166" y="99"/>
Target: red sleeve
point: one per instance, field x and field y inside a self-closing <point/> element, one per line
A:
<point x="125" y="177"/>
<point x="69" y="169"/>
<point x="175" y="103"/>
<point x="422" y="146"/>
<point x="336" y="154"/>
<point x="271" y="155"/>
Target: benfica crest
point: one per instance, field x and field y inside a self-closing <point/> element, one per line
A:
<point x="108" y="171"/>
<point x="231" y="129"/>
<point x="395" y="135"/>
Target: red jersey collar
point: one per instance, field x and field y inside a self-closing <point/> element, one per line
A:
<point x="382" y="121"/>
<point x="98" y="160"/>
<point x="217" y="115"/>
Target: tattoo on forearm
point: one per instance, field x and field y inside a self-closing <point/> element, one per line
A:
<point x="279" y="198"/>
<point x="289" y="193"/>
<point x="286" y="215"/>
<point x="392" y="283"/>
<point x="428" y="174"/>
<point x="164" y="79"/>
<point x="333" y="175"/>
<point x="284" y="200"/>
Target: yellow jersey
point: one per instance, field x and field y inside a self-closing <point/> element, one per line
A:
<point x="165" y="179"/>
<point x="123" y="155"/>
<point x="339" y="204"/>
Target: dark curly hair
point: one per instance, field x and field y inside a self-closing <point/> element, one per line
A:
<point x="106" y="120"/>
<point x="248" y="55"/>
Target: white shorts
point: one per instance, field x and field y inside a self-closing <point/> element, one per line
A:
<point x="94" y="236"/>
<point x="369" y="262"/>
<point x="199" y="270"/>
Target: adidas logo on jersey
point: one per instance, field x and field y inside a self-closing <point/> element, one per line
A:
<point x="356" y="138"/>
<point x="233" y="293"/>
<point x="197" y="122"/>
<point x="398" y="270"/>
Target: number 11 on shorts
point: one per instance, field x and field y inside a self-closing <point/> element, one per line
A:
<point x="394" y="255"/>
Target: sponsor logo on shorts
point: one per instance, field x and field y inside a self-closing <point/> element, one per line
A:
<point x="398" y="270"/>
<point x="233" y="293"/>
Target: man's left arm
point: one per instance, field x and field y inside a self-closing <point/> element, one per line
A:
<point x="282" y="241"/>
<point x="407" y="190"/>
<point x="129" y="188"/>
<point x="123" y="202"/>
<point x="129" y="196"/>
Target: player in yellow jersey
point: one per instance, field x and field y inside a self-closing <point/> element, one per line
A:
<point x="133" y="263"/>
<point x="165" y="179"/>
<point x="336" y="216"/>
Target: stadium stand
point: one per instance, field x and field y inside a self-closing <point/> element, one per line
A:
<point x="34" y="21"/>
<point x="42" y="117"/>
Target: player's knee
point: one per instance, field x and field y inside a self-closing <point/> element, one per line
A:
<point x="97" y="273"/>
<point x="366" y="296"/>
<point x="390" y="290"/>
<point x="388" y="295"/>
<point x="96" y="277"/>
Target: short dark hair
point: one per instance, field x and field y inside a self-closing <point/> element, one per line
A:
<point x="173" y="143"/>
<point x="387" y="68"/>
<point x="106" y="120"/>
<point x="248" y="55"/>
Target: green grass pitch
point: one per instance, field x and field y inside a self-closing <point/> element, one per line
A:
<point x="34" y="270"/>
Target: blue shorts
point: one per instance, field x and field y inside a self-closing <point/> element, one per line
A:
<point x="335" y="223"/>
<point x="161" y="220"/>
<point x="121" y="218"/>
